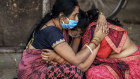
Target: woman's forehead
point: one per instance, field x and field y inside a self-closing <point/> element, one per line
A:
<point x="76" y="10"/>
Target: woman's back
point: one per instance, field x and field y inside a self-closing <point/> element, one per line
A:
<point x="47" y="38"/>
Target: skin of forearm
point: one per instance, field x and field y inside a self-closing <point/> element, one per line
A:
<point x="81" y="54"/>
<point x="73" y="58"/>
<point x="75" y="44"/>
<point x="60" y="60"/>
<point x="87" y="63"/>
<point x="85" y="50"/>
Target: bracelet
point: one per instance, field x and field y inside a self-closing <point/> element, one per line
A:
<point x="97" y="40"/>
<point x="57" y="59"/>
<point x="63" y="62"/>
<point x="94" y="44"/>
<point x="89" y="49"/>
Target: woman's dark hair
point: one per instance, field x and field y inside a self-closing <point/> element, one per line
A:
<point x="64" y="6"/>
<point x="93" y="15"/>
<point x="85" y="18"/>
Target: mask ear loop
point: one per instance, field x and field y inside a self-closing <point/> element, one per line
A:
<point x="68" y="19"/>
<point x="62" y="21"/>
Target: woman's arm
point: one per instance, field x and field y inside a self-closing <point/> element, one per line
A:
<point x="101" y="21"/>
<point x="52" y="56"/>
<point x="75" y="44"/>
<point x="65" y="51"/>
<point x="68" y="54"/>
<point x="87" y="63"/>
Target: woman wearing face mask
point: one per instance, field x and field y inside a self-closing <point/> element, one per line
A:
<point x="117" y="57"/>
<point x="51" y="33"/>
<point x="53" y="58"/>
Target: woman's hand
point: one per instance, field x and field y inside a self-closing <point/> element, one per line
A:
<point x="101" y="20"/>
<point x="52" y="63"/>
<point x="100" y="33"/>
<point x="48" y="55"/>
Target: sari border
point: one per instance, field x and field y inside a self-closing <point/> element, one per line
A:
<point x="130" y="58"/>
<point x="122" y="42"/>
<point x="126" y="74"/>
<point x="111" y="71"/>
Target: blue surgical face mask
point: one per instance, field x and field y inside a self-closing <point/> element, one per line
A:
<point x="74" y="35"/>
<point x="70" y="25"/>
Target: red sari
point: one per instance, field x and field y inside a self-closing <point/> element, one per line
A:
<point x="107" y="68"/>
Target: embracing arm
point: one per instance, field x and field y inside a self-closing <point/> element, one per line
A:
<point x="65" y="51"/>
<point x="75" y="43"/>
<point x="84" y="65"/>
<point x="87" y="63"/>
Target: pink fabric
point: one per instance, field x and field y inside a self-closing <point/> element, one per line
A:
<point x="31" y="65"/>
<point x="99" y="72"/>
<point x="102" y="72"/>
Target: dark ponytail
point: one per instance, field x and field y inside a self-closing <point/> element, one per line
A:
<point x="64" y="6"/>
<point x="94" y="13"/>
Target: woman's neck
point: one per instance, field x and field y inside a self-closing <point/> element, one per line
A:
<point x="56" y="22"/>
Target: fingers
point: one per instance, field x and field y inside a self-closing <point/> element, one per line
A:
<point x="107" y="30"/>
<point x="45" y="53"/>
<point x="46" y="58"/>
<point x="104" y="27"/>
<point x="44" y="50"/>
<point x="97" y="28"/>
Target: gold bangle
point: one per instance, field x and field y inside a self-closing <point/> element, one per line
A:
<point x="97" y="40"/>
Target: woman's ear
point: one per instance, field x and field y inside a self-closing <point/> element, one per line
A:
<point x="61" y="17"/>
